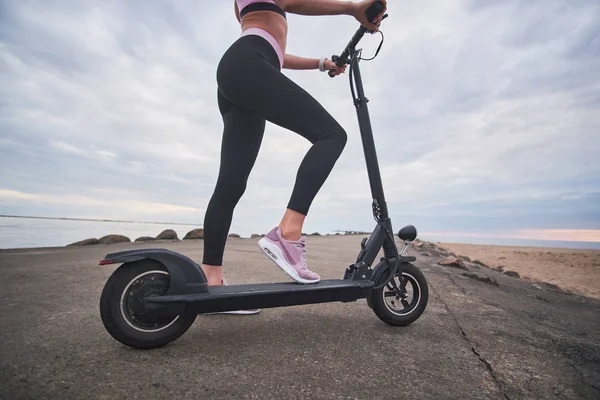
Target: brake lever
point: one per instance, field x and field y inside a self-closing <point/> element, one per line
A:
<point x="339" y="62"/>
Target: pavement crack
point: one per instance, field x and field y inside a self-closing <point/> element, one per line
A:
<point x="462" y="289"/>
<point x="481" y="359"/>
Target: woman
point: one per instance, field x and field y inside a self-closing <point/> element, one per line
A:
<point x="253" y="90"/>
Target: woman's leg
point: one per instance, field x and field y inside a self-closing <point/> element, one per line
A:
<point x="250" y="77"/>
<point x="256" y="84"/>
<point x="242" y="136"/>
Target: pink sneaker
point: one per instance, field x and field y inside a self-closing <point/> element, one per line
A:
<point x="288" y="255"/>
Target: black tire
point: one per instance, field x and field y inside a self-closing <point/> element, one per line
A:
<point x="123" y="315"/>
<point x="419" y="295"/>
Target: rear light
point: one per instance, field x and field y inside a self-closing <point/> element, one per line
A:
<point x="105" y="262"/>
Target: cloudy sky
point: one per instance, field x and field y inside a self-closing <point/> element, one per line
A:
<point x="486" y="116"/>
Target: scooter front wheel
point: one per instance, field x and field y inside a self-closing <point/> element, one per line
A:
<point x="122" y="306"/>
<point x="398" y="310"/>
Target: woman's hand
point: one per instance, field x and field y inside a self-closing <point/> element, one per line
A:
<point x="360" y="13"/>
<point x="331" y="66"/>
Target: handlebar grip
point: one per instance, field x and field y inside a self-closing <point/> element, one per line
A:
<point x="374" y="10"/>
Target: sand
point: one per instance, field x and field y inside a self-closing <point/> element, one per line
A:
<point x="574" y="270"/>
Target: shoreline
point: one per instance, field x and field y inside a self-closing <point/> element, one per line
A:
<point x="574" y="270"/>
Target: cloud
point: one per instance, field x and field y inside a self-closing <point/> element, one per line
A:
<point x="485" y="114"/>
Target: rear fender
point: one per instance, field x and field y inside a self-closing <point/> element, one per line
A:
<point x="186" y="276"/>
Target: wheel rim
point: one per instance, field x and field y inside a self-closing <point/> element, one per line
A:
<point x="148" y="284"/>
<point x="402" y="306"/>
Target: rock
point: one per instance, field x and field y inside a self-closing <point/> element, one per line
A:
<point x="452" y="261"/>
<point x="194" y="234"/>
<point x="111" y="239"/>
<point x="254" y="236"/>
<point x="512" y="273"/>
<point x="417" y="244"/>
<point x="465" y="258"/>
<point x="483" y="278"/>
<point x="234" y="235"/>
<point x="425" y="254"/>
<point x="499" y="268"/>
<point x="315" y="234"/>
<point x="168" y="234"/>
<point x="479" y="263"/>
<point x="84" y="242"/>
<point x="501" y="258"/>
<point x="144" y="239"/>
<point x="471" y="265"/>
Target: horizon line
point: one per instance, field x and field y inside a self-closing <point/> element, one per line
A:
<point x="100" y="220"/>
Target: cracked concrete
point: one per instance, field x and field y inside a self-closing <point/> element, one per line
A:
<point x="466" y="337"/>
<point x="475" y="340"/>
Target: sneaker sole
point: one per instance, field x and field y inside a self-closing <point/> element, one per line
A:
<point x="276" y="255"/>
<point x="240" y="312"/>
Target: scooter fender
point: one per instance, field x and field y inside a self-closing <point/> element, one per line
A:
<point x="380" y="270"/>
<point x="186" y="276"/>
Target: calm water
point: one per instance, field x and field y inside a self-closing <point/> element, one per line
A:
<point x="34" y="232"/>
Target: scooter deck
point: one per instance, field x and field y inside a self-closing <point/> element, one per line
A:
<point x="263" y="295"/>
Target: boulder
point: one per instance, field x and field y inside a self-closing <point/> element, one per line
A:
<point x="111" y="239"/>
<point x="144" y="239"/>
<point x="499" y="268"/>
<point x="479" y="263"/>
<point x="167" y="234"/>
<point x="471" y="265"/>
<point x="254" y="236"/>
<point x="465" y="258"/>
<point x="514" y="274"/>
<point x="84" y="242"/>
<point x="194" y="234"/>
<point x="483" y="278"/>
<point x="452" y="261"/>
<point x="234" y="235"/>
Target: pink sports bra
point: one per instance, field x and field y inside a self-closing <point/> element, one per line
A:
<point x="246" y="6"/>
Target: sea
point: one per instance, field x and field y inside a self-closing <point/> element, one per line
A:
<point x="34" y="232"/>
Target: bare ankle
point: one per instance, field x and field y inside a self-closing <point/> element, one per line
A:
<point x="214" y="274"/>
<point x="291" y="225"/>
<point x="290" y="234"/>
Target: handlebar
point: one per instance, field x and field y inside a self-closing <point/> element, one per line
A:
<point x="372" y="12"/>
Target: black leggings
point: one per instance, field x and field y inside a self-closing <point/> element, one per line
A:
<point x="252" y="89"/>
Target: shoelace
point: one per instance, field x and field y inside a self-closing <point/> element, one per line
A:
<point x="301" y="246"/>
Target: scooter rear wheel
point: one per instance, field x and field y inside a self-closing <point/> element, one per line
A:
<point x="122" y="308"/>
<point x="396" y="310"/>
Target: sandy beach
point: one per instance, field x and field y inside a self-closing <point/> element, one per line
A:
<point x="575" y="270"/>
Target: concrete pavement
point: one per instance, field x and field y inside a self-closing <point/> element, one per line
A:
<point x="476" y="341"/>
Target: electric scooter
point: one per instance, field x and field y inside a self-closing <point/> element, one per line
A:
<point x="156" y="294"/>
